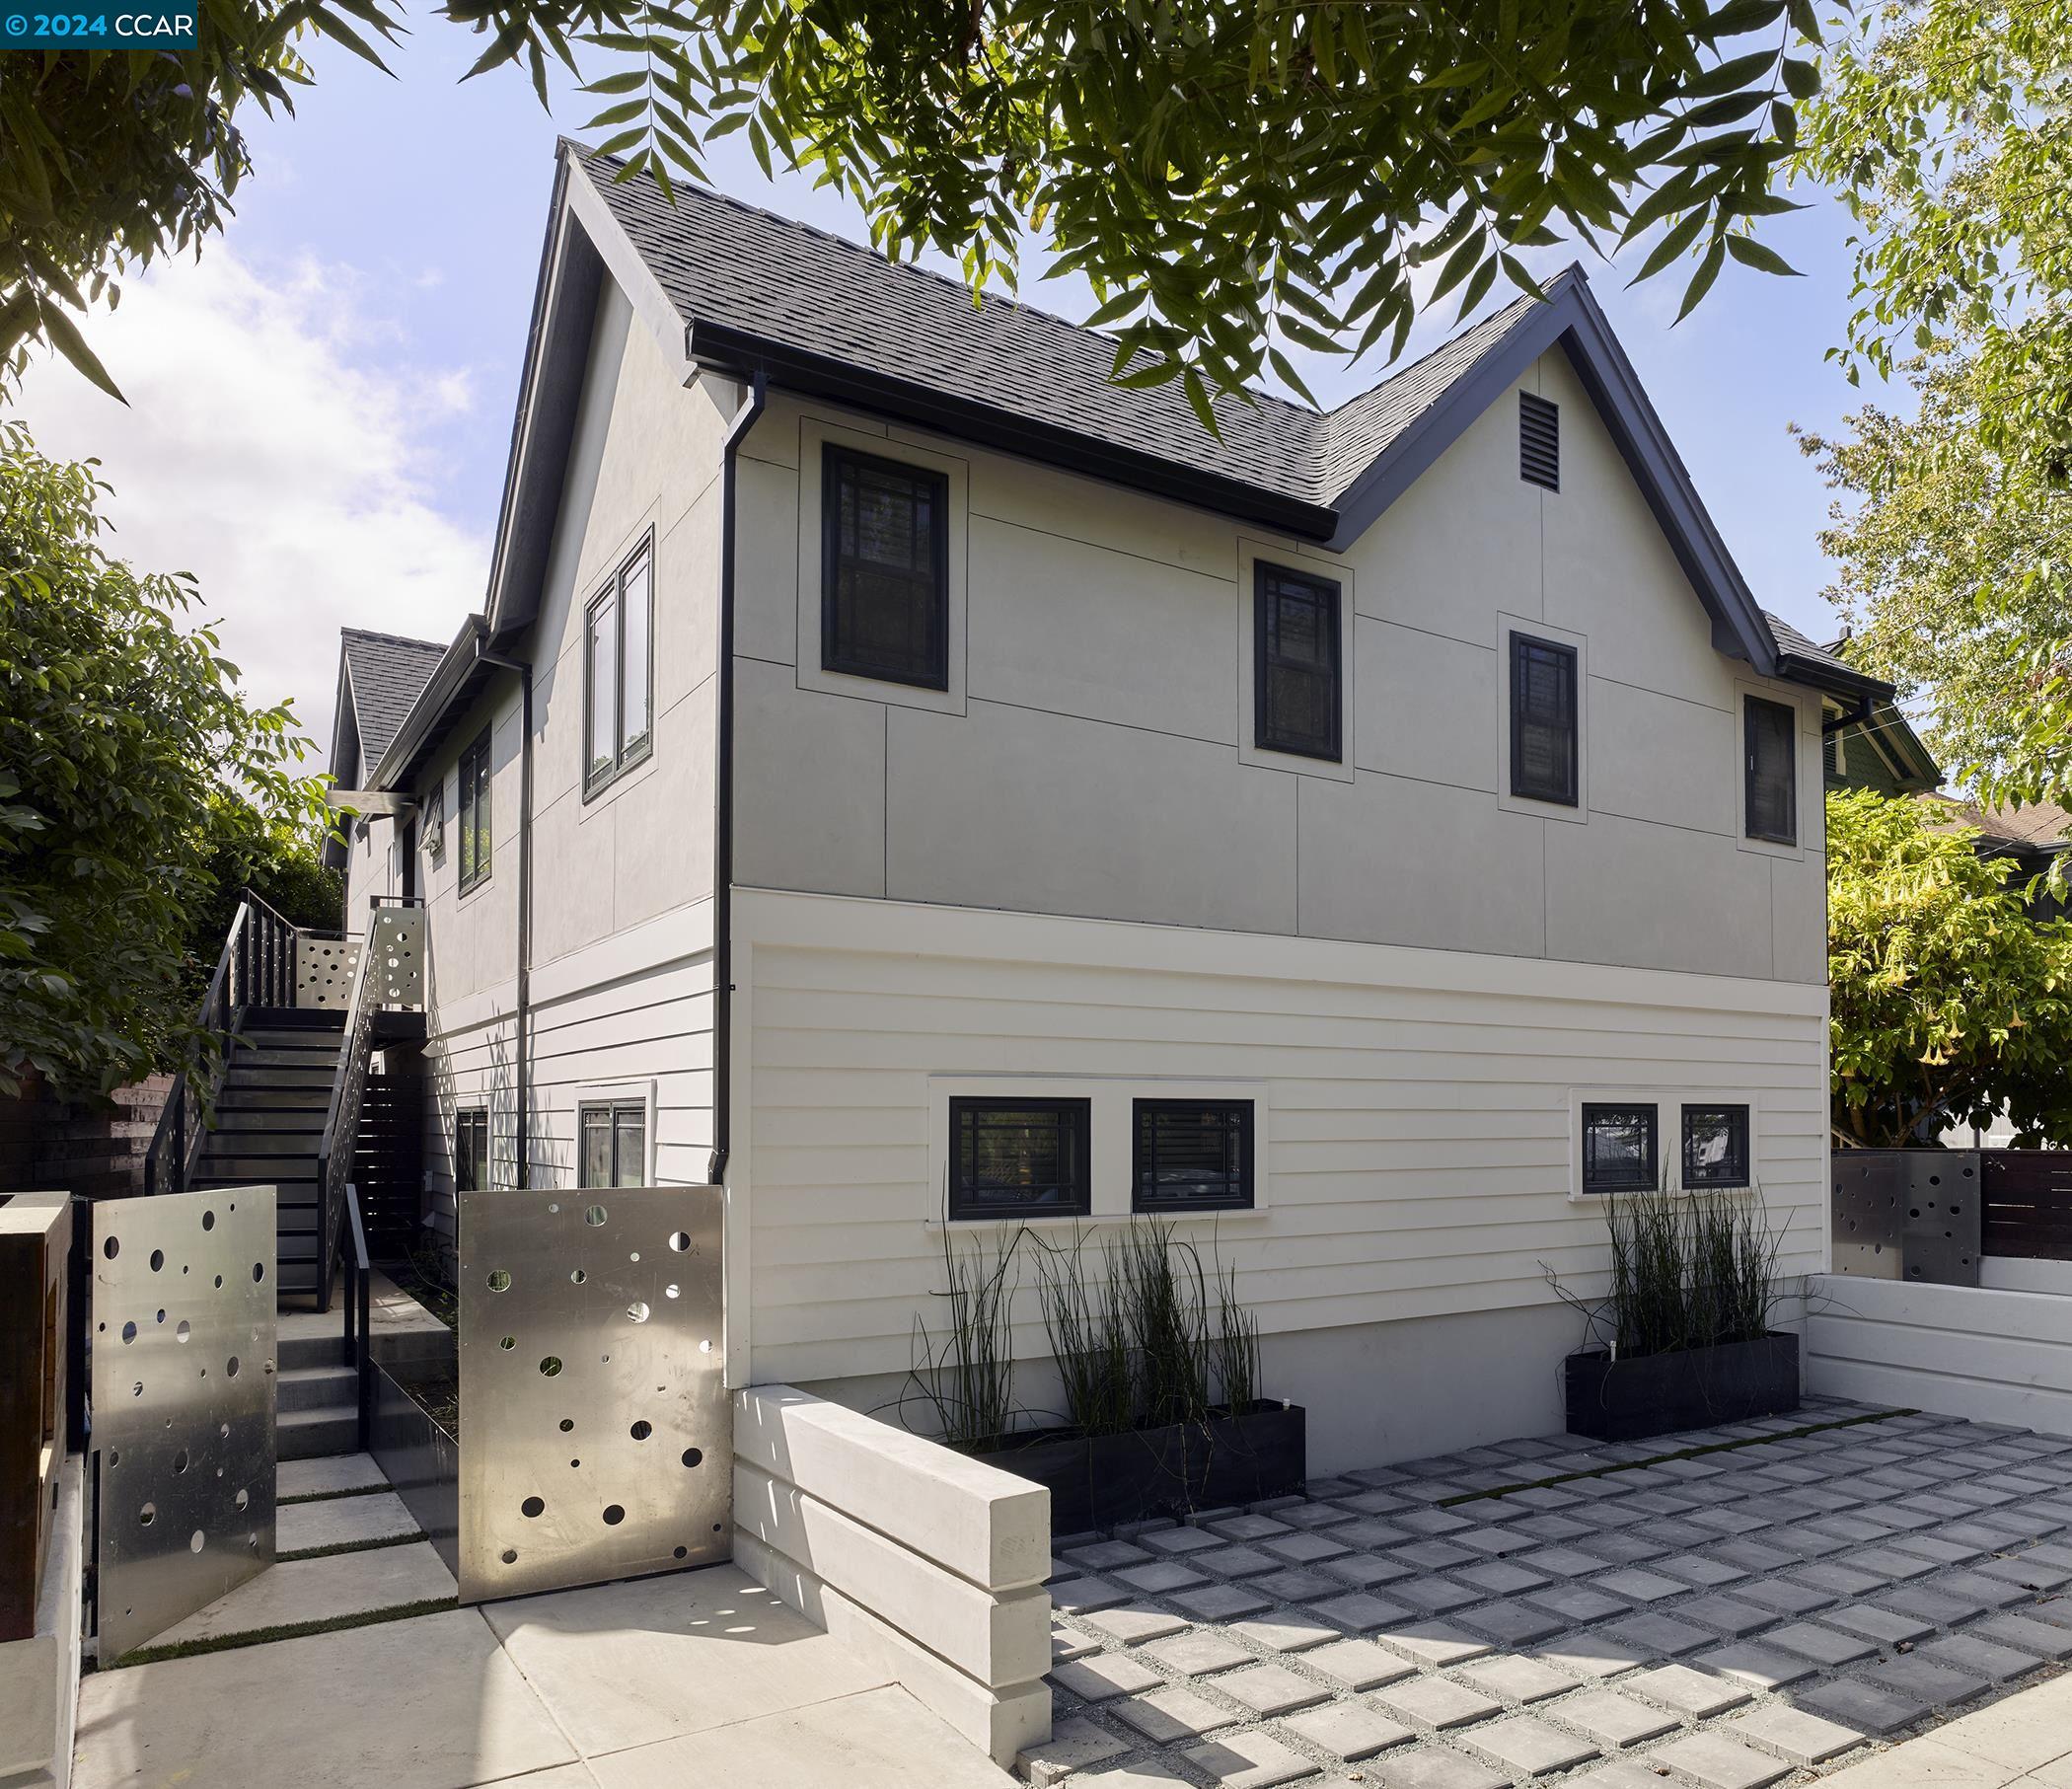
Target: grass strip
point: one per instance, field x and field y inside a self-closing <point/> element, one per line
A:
<point x="290" y="1630"/>
<point x="333" y="1496"/>
<point x="350" y="1546"/>
<point x="1657" y="1460"/>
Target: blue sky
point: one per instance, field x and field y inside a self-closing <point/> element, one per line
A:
<point x="368" y="309"/>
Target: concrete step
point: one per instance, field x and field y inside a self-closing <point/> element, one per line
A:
<point x="313" y="1434"/>
<point x="326" y="1388"/>
<point x="298" y="1352"/>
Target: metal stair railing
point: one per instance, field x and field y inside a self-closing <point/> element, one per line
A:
<point x="254" y="968"/>
<point x="390" y="973"/>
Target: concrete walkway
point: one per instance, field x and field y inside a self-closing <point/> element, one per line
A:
<point x="1771" y="1606"/>
<point x="699" y="1677"/>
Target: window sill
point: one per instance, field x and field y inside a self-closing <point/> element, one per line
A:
<point x="1097" y="1219"/>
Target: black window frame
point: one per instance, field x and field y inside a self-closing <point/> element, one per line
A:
<point x="613" y="1109"/>
<point x="963" y="1204"/>
<point x="1623" y="1111"/>
<point x="1570" y="794"/>
<point x="628" y="753"/>
<point x="1266" y="736"/>
<point x="1143" y="1151"/>
<point x="474" y="780"/>
<point x="1739" y="1165"/>
<point x="1750" y="771"/>
<point x="470" y="1147"/>
<point x="934" y="674"/>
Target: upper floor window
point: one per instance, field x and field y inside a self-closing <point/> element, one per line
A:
<point x="1543" y="719"/>
<point x="470" y="1150"/>
<point x="473" y="803"/>
<point x="613" y="1144"/>
<point x="1298" y="663"/>
<point x="618" y="671"/>
<point x="1015" y="1157"/>
<point x="1618" y="1149"/>
<point x="1192" y="1155"/>
<point x="884" y="573"/>
<point x="1770" y="738"/>
<point x="1716" y="1146"/>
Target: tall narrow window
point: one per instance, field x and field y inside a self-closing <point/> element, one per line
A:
<point x="612" y="1144"/>
<point x="1543" y="720"/>
<point x="470" y="1150"/>
<point x="474" y="816"/>
<point x="1011" y="1157"/>
<point x="1297" y="663"/>
<point x="617" y="671"/>
<point x="884" y="569"/>
<point x="1770" y="736"/>
<point x="1716" y="1146"/>
<point x="1618" y="1149"/>
<point x="1193" y="1155"/>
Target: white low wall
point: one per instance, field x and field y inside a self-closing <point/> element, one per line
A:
<point x="2014" y="1273"/>
<point x="1992" y="1356"/>
<point x="39" y="1676"/>
<point x="926" y="1562"/>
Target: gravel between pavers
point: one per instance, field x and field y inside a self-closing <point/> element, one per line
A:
<point x="1399" y="1624"/>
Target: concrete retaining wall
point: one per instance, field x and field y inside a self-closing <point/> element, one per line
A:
<point x="926" y="1563"/>
<point x="1995" y="1357"/>
<point x="39" y="1676"/>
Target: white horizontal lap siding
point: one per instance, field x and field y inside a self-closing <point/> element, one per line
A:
<point x="1419" y="1151"/>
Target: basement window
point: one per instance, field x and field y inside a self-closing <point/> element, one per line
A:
<point x="619" y="672"/>
<point x="1020" y="1157"/>
<point x="1716" y="1146"/>
<point x="1297" y="665"/>
<point x="472" y="792"/>
<point x="1770" y="738"/>
<point x="612" y="1144"/>
<point x="470" y="1150"/>
<point x="1192" y="1155"/>
<point x="884" y="573"/>
<point x="1618" y="1149"/>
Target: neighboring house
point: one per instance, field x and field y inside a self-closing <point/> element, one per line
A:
<point x="909" y="779"/>
<point x="380" y="677"/>
<point x="1875" y="747"/>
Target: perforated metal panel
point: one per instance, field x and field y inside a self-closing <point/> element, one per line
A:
<point x="1907" y="1215"/>
<point x="183" y="1403"/>
<point x="1868" y="1214"/>
<point x="397" y="939"/>
<point x="596" y="1440"/>
<point x="324" y="970"/>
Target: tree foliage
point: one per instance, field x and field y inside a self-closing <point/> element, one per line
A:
<point x="1233" y="177"/>
<point x="1948" y="1000"/>
<point x="110" y="158"/>
<point x="127" y="762"/>
<point x="1948" y="125"/>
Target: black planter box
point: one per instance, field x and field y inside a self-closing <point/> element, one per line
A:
<point x="1690" y="1388"/>
<point x="1097" y="1482"/>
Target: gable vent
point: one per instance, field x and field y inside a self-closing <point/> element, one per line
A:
<point x="1539" y="442"/>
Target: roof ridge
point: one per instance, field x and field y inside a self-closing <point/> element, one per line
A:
<point x="394" y="639"/>
<point x="1309" y="414"/>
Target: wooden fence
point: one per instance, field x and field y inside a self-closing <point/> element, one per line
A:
<point x="2027" y="1201"/>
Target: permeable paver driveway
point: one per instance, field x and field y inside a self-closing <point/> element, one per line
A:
<point x="1765" y="1603"/>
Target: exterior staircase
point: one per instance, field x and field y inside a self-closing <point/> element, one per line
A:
<point x="270" y="1120"/>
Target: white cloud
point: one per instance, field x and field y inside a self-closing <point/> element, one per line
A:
<point x="278" y="445"/>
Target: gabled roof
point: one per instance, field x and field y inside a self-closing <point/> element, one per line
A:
<point x="820" y="316"/>
<point x="381" y="675"/>
<point x="2039" y="826"/>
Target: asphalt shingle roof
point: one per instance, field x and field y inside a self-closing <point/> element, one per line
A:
<point x="725" y="262"/>
<point x="386" y="672"/>
<point x="1790" y="640"/>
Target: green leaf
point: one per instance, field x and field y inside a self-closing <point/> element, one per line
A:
<point x="1701" y="282"/>
<point x="1752" y="253"/>
<point x="65" y="337"/>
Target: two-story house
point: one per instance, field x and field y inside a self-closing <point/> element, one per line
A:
<point x="912" y="780"/>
